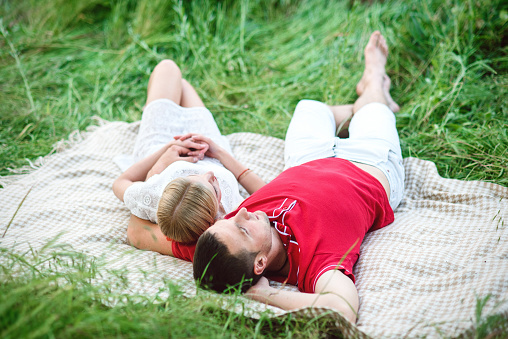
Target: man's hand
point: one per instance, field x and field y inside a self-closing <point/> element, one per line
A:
<point x="261" y="291"/>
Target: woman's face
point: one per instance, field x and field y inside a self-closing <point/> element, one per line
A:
<point x="210" y="182"/>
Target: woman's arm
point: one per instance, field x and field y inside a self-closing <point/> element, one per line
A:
<point x="157" y="162"/>
<point x="176" y="153"/>
<point x="145" y="235"/>
<point x="247" y="178"/>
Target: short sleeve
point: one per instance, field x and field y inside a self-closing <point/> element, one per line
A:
<point x="141" y="201"/>
<point x="183" y="251"/>
<point x="324" y="263"/>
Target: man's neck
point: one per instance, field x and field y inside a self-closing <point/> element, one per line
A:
<point x="278" y="263"/>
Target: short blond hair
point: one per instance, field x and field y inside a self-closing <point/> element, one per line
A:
<point x="186" y="209"/>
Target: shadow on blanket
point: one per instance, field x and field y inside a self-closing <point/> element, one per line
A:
<point x="420" y="276"/>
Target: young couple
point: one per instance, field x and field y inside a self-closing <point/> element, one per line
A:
<point x="305" y="227"/>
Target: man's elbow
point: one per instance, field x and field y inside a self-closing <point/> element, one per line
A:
<point x="349" y="314"/>
<point x="343" y="308"/>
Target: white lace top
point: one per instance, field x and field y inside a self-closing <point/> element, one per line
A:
<point x="162" y="119"/>
<point x="142" y="198"/>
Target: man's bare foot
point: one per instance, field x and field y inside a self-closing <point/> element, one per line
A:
<point x="376" y="54"/>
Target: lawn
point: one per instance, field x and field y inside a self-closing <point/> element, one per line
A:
<point x="62" y="62"/>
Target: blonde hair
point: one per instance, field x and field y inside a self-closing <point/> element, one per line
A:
<point x="186" y="209"/>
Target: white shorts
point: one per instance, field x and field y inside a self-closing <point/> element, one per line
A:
<point x="373" y="140"/>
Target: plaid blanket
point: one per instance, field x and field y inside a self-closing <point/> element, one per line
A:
<point x="420" y="276"/>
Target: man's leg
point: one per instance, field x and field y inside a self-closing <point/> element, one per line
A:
<point x="310" y="134"/>
<point x="371" y="64"/>
<point x="372" y="83"/>
<point x="376" y="53"/>
<point x="373" y="144"/>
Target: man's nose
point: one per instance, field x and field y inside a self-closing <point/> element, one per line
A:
<point x="243" y="213"/>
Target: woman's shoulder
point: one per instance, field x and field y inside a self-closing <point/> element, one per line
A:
<point x="176" y="170"/>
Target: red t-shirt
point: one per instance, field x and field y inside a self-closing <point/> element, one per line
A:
<point x="320" y="209"/>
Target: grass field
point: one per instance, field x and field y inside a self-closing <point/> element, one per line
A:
<point x="64" y="61"/>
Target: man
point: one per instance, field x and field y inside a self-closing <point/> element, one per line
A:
<point x="306" y="226"/>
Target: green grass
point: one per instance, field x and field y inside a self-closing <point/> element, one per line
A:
<point x="55" y="293"/>
<point x="64" y="61"/>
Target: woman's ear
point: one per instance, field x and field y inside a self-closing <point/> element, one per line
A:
<point x="220" y="213"/>
<point x="260" y="264"/>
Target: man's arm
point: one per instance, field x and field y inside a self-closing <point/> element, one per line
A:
<point x="333" y="289"/>
<point x="145" y="235"/>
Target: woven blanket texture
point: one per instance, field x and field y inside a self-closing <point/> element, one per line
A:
<point x="420" y="276"/>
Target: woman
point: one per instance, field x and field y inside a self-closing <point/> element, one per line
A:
<point x="185" y="181"/>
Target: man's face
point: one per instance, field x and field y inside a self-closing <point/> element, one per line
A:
<point x="245" y="231"/>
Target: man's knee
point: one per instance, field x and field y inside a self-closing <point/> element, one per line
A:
<point x="314" y="115"/>
<point x="168" y="66"/>
<point x="307" y="106"/>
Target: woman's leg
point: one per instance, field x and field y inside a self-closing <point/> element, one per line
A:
<point x="162" y="120"/>
<point x="190" y="97"/>
<point x="165" y="82"/>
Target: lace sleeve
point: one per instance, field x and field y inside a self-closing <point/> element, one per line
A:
<point x="139" y="201"/>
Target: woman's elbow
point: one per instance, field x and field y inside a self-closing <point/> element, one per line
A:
<point x="117" y="189"/>
<point x="132" y="236"/>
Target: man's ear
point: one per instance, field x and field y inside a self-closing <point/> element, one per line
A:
<point x="260" y="264"/>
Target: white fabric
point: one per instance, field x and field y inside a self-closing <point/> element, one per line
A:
<point x="162" y="120"/>
<point x="373" y="140"/>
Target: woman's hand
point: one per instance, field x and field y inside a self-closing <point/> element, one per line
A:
<point x="186" y="150"/>
<point x="174" y="153"/>
<point x="212" y="149"/>
<point x="250" y="180"/>
<point x="195" y="148"/>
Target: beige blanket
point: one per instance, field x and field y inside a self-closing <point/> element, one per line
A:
<point x="420" y="276"/>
